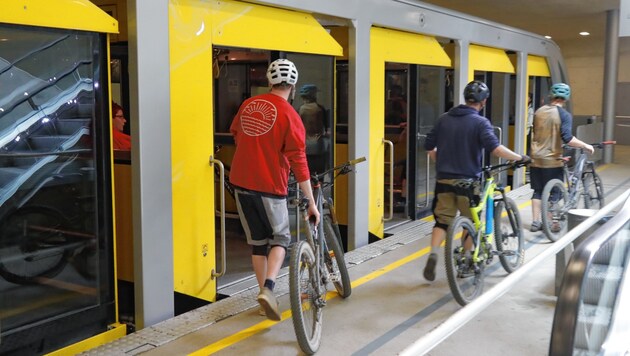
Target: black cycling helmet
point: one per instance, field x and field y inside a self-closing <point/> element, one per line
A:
<point x="476" y="91"/>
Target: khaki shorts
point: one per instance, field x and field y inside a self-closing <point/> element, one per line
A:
<point x="449" y="202"/>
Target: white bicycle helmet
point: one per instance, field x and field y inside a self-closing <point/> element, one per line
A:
<point x="282" y="70"/>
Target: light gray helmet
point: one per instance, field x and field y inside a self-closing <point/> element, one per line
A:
<point x="282" y="70"/>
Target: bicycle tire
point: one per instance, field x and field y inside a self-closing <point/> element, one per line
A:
<point x="29" y="254"/>
<point x="337" y="265"/>
<point x="306" y="311"/>
<point x="464" y="289"/>
<point x="509" y="235"/>
<point x="554" y="214"/>
<point x="593" y="190"/>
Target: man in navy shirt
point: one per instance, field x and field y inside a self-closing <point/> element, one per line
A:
<point x="457" y="143"/>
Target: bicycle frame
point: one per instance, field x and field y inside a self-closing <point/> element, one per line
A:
<point x="486" y="226"/>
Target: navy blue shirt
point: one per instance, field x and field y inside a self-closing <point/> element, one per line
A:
<point x="460" y="136"/>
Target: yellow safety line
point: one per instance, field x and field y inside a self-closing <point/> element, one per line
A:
<point x="267" y="324"/>
<point x="255" y="329"/>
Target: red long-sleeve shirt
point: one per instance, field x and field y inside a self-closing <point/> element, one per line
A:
<point x="269" y="137"/>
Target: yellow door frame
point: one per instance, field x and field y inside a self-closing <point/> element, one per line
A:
<point x="195" y="27"/>
<point x="387" y="45"/>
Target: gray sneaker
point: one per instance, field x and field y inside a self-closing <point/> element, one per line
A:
<point x="536" y="226"/>
<point x="268" y="301"/>
<point x="429" y="269"/>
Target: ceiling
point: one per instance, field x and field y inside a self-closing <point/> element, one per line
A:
<point x="563" y="20"/>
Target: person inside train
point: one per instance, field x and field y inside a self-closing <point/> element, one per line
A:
<point x="396" y="106"/>
<point x="552" y="128"/>
<point x="270" y="141"/>
<point x="315" y="122"/>
<point x="456" y="143"/>
<point x="120" y="140"/>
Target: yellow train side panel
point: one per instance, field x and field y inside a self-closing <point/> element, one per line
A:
<point x="67" y="14"/>
<point x="300" y="31"/>
<point x="488" y="59"/>
<point x="116" y="331"/>
<point x="191" y="146"/>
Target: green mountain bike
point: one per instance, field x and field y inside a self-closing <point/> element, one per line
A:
<point x="469" y="243"/>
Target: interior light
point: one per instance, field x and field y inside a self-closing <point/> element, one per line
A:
<point x="584" y="33"/>
<point x="548" y="37"/>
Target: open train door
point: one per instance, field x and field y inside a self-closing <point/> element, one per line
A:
<point x="197" y="29"/>
<point x="392" y="46"/>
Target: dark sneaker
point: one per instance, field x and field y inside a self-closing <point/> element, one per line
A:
<point x="555" y="227"/>
<point x="268" y="301"/>
<point x="429" y="269"/>
<point x="536" y="226"/>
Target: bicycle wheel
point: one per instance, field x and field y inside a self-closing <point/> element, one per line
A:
<point x="335" y="260"/>
<point x="554" y="207"/>
<point x="306" y="304"/>
<point x="464" y="278"/>
<point x="593" y="190"/>
<point x="33" y="245"/>
<point x="508" y="232"/>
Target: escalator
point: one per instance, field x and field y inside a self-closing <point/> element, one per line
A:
<point x="592" y="314"/>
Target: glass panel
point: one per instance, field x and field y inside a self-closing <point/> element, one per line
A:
<point x="431" y="101"/>
<point x="314" y="102"/>
<point x="48" y="259"/>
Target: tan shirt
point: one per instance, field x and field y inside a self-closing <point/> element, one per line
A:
<point x="546" y="146"/>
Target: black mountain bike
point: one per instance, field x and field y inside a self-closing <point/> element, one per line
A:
<point x="316" y="261"/>
<point x="582" y="188"/>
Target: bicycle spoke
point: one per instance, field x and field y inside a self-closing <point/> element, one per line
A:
<point x="306" y="302"/>
<point x="464" y="277"/>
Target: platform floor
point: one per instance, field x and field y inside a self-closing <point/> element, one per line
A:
<point x="391" y="305"/>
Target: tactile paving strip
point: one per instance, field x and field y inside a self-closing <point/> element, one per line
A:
<point x="174" y="328"/>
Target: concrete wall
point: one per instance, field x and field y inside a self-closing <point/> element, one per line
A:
<point x="585" y="63"/>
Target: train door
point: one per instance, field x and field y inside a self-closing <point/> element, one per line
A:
<point x="493" y="67"/>
<point x="239" y="74"/>
<point x="56" y="229"/>
<point x="394" y="57"/>
<point x="203" y="37"/>
<point x="431" y="103"/>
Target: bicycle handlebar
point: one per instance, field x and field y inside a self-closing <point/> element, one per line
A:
<point x="505" y="166"/>
<point x="343" y="168"/>
<point x="595" y="145"/>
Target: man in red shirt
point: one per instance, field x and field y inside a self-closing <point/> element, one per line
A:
<point x="270" y="141"/>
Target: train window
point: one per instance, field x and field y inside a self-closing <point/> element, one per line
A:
<point x="52" y="201"/>
<point x="239" y="74"/>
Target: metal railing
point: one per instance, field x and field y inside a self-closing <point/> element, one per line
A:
<point x="464" y="315"/>
<point x="603" y="248"/>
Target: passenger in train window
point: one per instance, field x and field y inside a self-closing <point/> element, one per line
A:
<point x="120" y="140"/>
<point x="315" y="119"/>
<point x="456" y="143"/>
<point x="269" y="137"/>
<point x="552" y="128"/>
<point x="396" y="106"/>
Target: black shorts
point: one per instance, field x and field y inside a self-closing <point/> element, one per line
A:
<point x="539" y="177"/>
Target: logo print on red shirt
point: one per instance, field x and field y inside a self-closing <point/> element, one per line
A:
<point x="258" y="117"/>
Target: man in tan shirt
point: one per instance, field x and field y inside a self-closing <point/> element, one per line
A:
<point x="552" y="127"/>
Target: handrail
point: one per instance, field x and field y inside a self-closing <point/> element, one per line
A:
<point x="213" y="273"/>
<point x="566" y="317"/>
<point x="37" y="50"/>
<point x="461" y="317"/>
<point x="617" y="342"/>
<point x="391" y="180"/>
<point x="44" y="85"/>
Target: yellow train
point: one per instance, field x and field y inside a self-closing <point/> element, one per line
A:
<point x="92" y="236"/>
